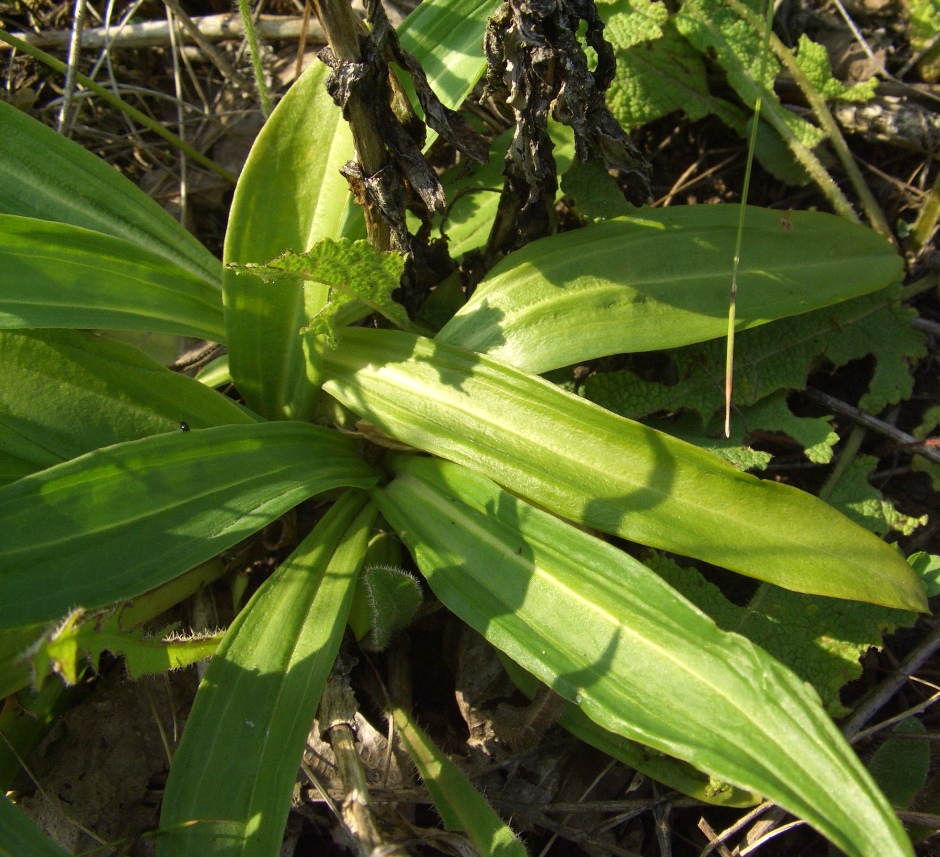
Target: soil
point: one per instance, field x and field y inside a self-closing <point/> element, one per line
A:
<point x="102" y="766"/>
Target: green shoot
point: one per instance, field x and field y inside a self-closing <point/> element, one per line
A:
<point x="752" y="143"/>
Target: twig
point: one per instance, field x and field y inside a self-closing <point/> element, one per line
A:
<point x="903" y="438"/>
<point x="879" y="696"/>
<point x="215" y="56"/>
<point x="75" y="45"/>
<point x="774" y="833"/>
<point x="739" y="825"/>
<point x="178" y="85"/>
<point x="212" y="28"/>
<point x="120" y="104"/>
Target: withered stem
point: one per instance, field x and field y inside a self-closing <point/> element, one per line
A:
<point x="342" y="29"/>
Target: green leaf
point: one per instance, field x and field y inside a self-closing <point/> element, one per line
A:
<point x="671" y="772"/>
<point x="631" y="22"/>
<point x="595" y="193"/>
<point x="923" y="26"/>
<point x="446" y="36"/>
<point x="46" y="176"/>
<point x="927" y="567"/>
<point x="461" y="806"/>
<point x="114" y="523"/>
<point x="606" y="472"/>
<point x="660" y="279"/>
<point x="777" y="357"/>
<point x="15" y="644"/>
<point x="19" y="835"/>
<point x="855" y="497"/>
<point x="655" y="79"/>
<point x="230" y="783"/>
<point x="64" y="649"/>
<point x="900" y="766"/>
<point x="353" y="270"/>
<point x="813" y="59"/>
<point x="64" y="393"/>
<point x="771" y="414"/>
<point x="820" y="639"/>
<point x="713" y="27"/>
<point x="58" y="275"/>
<point x="386" y="600"/>
<point x="290" y="196"/>
<point x="635" y="656"/>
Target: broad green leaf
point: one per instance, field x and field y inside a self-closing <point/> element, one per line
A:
<point x="671" y="772"/>
<point x="231" y="778"/>
<point x="446" y="36"/>
<point x="58" y="275"/>
<point x="116" y="522"/>
<point x="19" y="835"/>
<point x="64" y="393"/>
<point x="659" y="279"/>
<point x="290" y="196"/>
<point x="607" y="472"/>
<point x="608" y="635"/>
<point x="777" y="357"/>
<point x="47" y="176"/>
<point x="820" y="639"/>
<point x="353" y="270"/>
<point x="460" y="805"/>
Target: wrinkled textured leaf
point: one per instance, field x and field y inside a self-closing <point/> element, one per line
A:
<point x="712" y="26"/>
<point x="58" y="275"/>
<point x="114" y="523"/>
<point x="47" y="176"/>
<point x="237" y="761"/>
<point x="353" y="270"/>
<point x="813" y="60"/>
<point x="630" y="22"/>
<point x="460" y="805"/>
<point x="609" y="473"/>
<point x="860" y="501"/>
<point x="64" y="393"/>
<point x="632" y="654"/>
<point x="820" y="639"/>
<point x="778" y="357"/>
<point x="669" y="74"/>
<point x="660" y="279"/>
